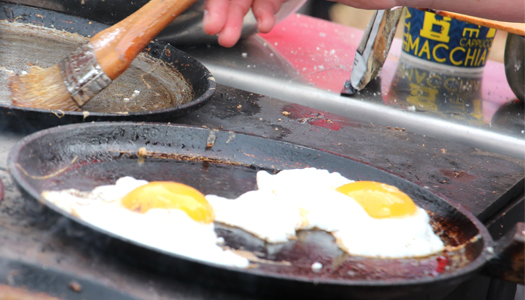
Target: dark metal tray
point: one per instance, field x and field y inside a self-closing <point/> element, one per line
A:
<point x="225" y="163"/>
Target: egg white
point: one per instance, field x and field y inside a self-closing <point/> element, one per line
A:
<point x="390" y="237"/>
<point x="272" y="212"/>
<point x="297" y="180"/>
<point x="307" y="198"/>
<point x="258" y="212"/>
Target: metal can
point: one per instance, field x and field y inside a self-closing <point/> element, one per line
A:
<point x="446" y="43"/>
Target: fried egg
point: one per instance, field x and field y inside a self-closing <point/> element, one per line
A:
<point x="168" y="216"/>
<point x="395" y="226"/>
<point x="366" y="218"/>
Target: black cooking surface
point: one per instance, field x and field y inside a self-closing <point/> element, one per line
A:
<point x="41" y="282"/>
<point x="477" y="179"/>
<point x="224" y="180"/>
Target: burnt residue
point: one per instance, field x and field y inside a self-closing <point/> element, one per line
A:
<point x="458" y="175"/>
<point x="187" y="158"/>
<point x="75" y="286"/>
<point x="278" y="131"/>
<point x="242" y="103"/>
<point x="204" y="174"/>
<point x="148" y="85"/>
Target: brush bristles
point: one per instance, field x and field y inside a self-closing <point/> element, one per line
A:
<point x="41" y="88"/>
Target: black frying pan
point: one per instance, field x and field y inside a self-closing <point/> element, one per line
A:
<point x="225" y="163"/>
<point x="170" y="83"/>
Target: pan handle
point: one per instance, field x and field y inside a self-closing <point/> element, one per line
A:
<point x="507" y="261"/>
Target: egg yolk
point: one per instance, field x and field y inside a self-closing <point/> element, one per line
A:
<point x="170" y="195"/>
<point x="379" y="200"/>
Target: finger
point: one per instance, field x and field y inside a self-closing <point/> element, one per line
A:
<point x="231" y="32"/>
<point x="215" y="12"/>
<point x="378" y="4"/>
<point x="264" y="11"/>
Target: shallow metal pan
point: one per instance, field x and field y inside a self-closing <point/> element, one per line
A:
<point x="170" y="82"/>
<point x="225" y="163"/>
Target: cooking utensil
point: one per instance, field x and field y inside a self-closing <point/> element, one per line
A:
<point x="510" y="27"/>
<point x="225" y="163"/>
<point x="85" y="72"/>
<point x="182" y="83"/>
<point x="373" y="49"/>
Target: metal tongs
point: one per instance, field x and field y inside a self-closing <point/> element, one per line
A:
<point x="373" y="49"/>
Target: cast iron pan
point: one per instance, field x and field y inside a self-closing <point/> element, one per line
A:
<point x="170" y="83"/>
<point x="19" y="280"/>
<point x="83" y="156"/>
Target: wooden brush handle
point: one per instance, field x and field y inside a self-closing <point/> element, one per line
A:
<point x="515" y="28"/>
<point x="117" y="46"/>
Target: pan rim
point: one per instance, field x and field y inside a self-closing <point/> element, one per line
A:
<point x="470" y="269"/>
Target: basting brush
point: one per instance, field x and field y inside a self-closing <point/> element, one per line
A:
<point x="85" y="72"/>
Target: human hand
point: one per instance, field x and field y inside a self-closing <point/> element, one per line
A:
<point x="225" y="17"/>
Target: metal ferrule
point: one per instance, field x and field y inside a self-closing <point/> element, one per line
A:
<point x="83" y="76"/>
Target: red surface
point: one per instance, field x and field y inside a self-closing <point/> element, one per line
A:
<point x="317" y="118"/>
<point x="442" y="262"/>
<point x="323" y="53"/>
